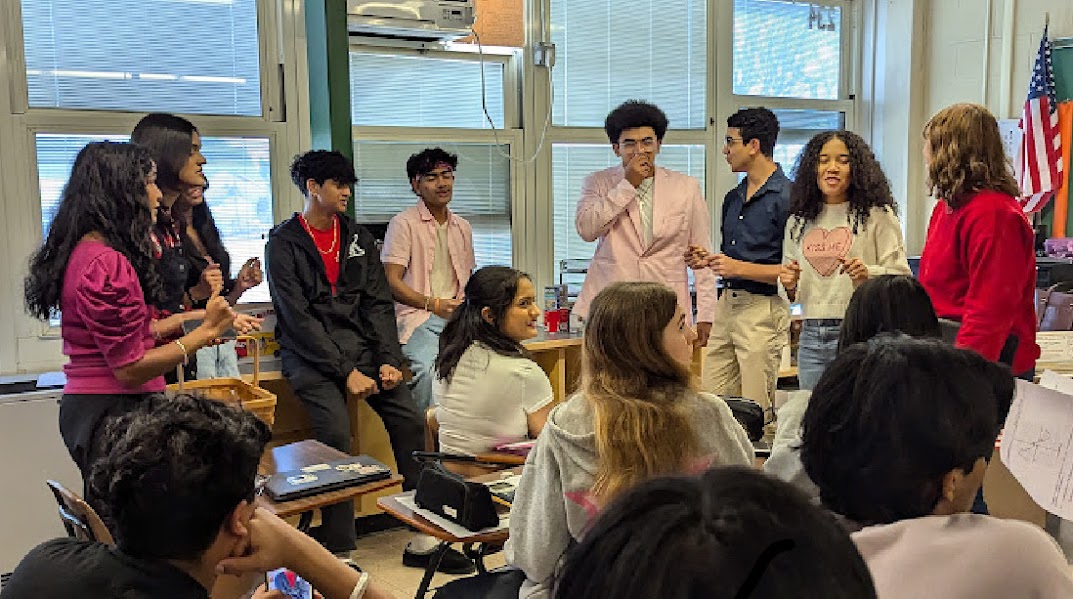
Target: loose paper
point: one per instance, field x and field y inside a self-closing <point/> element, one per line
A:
<point x="1037" y="442"/>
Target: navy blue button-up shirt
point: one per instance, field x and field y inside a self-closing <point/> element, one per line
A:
<point x="753" y="230"/>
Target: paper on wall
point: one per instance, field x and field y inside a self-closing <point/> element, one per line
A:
<point x="1037" y="443"/>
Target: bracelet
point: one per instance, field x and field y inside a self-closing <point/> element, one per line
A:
<point x="186" y="356"/>
<point x="359" y="589"/>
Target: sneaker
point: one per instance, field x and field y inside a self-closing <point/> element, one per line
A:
<point x="453" y="561"/>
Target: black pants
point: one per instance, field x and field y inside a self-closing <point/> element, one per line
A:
<point x="324" y="400"/>
<point x="83" y="420"/>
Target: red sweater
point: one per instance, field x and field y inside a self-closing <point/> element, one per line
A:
<point x="979" y="268"/>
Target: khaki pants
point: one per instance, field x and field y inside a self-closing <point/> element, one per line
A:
<point x="745" y="346"/>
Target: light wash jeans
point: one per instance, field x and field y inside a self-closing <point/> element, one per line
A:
<point x="816" y="349"/>
<point x="220" y="361"/>
<point x="422" y="349"/>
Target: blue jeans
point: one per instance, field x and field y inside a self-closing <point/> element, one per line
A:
<point x="816" y="349"/>
<point x="219" y="361"/>
<point x="421" y="349"/>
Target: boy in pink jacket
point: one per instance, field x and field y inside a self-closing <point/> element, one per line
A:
<point x="644" y="217"/>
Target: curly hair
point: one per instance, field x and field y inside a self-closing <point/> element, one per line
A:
<point x="492" y="287"/>
<point x="967" y="155"/>
<point x="757" y="123"/>
<point x="427" y="159"/>
<point x="868" y="186"/>
<point x="172" y="470"/>
<point x="632" y="114"/>
<point x="321" y="165"/>
<point x="105" y="194"/>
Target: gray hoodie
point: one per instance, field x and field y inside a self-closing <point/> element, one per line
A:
<point x="553" y="507"/>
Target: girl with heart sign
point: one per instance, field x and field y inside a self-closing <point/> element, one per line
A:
<point x="843" y="229"/>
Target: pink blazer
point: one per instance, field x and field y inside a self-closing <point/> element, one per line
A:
<point x="608" y="213"/>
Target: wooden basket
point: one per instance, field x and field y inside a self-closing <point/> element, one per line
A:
<point x="249" y="396"/>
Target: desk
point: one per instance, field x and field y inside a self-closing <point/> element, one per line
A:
<point x="495" y="537"/>
<point x="296" y="456"/>
<point x="559" y="355"/>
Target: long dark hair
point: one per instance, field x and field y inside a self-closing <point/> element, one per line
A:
<point x="492" y="287"/>
<point x="202" y="222"/>
<point x="106" y="193"/>
<point x="868" y="186"/>
<point x="888" y="304"/>
<point x="169" y="139"/>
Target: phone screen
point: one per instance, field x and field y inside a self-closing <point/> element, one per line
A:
<point x="288" y="583"/>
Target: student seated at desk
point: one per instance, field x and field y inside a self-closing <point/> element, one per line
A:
<point x="636" y="417"/>
<point x="730" y="533"/>
<point x="895" y="436"/>
<point x="884" y="304"/>
<point x="488" y="391"/>
<point x="177" y="478"/>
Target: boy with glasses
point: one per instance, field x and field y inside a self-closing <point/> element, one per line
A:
<point x="644" y="217"/>
<point x="745" y="348"/>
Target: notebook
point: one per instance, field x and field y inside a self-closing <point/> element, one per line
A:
<point x="320" y="478"/>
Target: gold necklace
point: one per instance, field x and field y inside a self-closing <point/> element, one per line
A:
<point x="335" y="235"/>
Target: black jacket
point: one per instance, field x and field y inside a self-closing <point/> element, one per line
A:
<point x="333" y="333"/>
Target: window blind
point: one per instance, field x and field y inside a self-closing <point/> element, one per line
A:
<point x="392" y="90"/>
<point x="184" y="56"/>
<point x="609" y="52"/>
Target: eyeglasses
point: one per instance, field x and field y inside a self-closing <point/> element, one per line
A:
<point x="729" y="141"/>
<point x="629" y="145"/>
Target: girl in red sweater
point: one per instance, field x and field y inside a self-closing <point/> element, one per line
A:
<point x="978" y="264"/>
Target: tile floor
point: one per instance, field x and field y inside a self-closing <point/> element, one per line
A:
<point x="380" y="554"/>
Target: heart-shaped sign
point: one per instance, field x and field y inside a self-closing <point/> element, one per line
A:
<point x="825" y="249"/>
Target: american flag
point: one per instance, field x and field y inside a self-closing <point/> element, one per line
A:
<point x="1041" y="166"/>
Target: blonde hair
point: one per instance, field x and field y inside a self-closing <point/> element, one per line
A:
<point x="634" y="388"/>
<point x="967" y="155"/>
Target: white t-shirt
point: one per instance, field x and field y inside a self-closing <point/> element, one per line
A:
<point x="487" y="400"/>
<point x="442" y="279"/>
<point x="965" y="555"/>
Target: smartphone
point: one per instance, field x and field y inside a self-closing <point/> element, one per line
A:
<point x="288" y="583"/>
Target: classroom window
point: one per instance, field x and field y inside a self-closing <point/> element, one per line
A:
<point x="184" y="56"/>
<point x="609" y="51"/>
<point x="239" y="194"/>
<point x="571" y="163"/>
<point x="788" y="49"/>
<point x="402" y="90"/>
<point x="796" y="127"/>
<point x="482" y="190"/>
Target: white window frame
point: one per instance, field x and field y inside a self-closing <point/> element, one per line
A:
<point x="506" y="133"/>
<point x="32" y="345"/>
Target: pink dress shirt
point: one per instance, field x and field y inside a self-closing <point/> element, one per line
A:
<point x="104" y="321"/>
<point x="608" y="213"/>
<point x="410" y="242"/>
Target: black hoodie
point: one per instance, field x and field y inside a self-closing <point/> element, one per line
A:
<point x="332" y="332"/>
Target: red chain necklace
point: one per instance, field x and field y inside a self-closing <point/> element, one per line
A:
<point x="335" y="235"/>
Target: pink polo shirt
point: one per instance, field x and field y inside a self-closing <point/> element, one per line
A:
<point x="104" y="321"/>
<point x="410" y="242"/>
